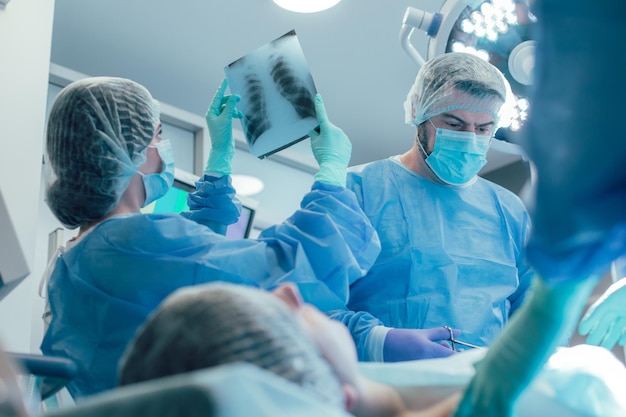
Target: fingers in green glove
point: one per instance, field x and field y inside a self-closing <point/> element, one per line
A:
<point x="223" y="105"/>
<point x="605" y="321"/>
<point x="599" y="330"/>
<point x="614" y="333"/>
<point x="320" y="109"/>
<point x="331" y="148"/>
<point x="219" y="122"/>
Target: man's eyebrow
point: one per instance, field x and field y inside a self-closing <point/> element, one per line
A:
<point x="452" y="116"/>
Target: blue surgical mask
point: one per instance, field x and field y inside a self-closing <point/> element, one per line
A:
<point x="458" y="156"/>
<point x="157" y="185"/>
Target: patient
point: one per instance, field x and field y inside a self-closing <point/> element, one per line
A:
<point x="220" y="323"/>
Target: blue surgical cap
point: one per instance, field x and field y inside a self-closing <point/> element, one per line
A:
<point x="455" y="81"/>
<point x="98" y="132"/>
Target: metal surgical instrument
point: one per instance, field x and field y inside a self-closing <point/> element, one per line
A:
<point x="458" y="342"/>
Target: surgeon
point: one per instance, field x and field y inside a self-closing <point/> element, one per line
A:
<point x="579" y="212"/>
<point x="452" y="242"/>
<point x="107" y="159"/>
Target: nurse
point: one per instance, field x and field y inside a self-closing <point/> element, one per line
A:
<point x="107" y="160"/>
<point x="452" y="242"/>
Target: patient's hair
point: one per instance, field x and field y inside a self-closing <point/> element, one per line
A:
<point x="219" y="323"/>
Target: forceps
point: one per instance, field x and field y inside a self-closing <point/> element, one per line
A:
<point x="458" y="342"/>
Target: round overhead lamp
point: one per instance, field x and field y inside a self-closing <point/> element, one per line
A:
<point x="306" y="6"/>
<point x="247" y="184"/>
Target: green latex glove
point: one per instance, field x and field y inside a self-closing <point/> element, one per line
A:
<point x="219" y="120"/>
<point x="605" y="320"/>
<point x="331" y="147"/>
<point x="546" y="319"/>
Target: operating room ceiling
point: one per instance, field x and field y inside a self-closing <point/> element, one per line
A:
<point x="179" y="49"/>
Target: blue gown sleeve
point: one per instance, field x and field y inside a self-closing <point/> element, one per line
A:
<point x="214" y="203"/>
<point x="360" y="323"/>
<point x="338" y="239"/>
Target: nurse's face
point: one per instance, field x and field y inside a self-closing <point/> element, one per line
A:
<point x="331" y="337"/>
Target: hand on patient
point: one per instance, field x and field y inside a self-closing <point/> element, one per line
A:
<point x="219" y="119"/>
<point x="605" y="320"/>
<point x="412" y="344"/>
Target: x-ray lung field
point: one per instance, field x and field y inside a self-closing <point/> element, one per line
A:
<point x="277" y="95"/>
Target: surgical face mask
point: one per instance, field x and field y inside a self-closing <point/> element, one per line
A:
<point x="457" y="156"/>
<point x="157" y="185"/>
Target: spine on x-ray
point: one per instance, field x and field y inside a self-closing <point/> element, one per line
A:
<point x="256" y="121"/>
<point x="293" y="88"/>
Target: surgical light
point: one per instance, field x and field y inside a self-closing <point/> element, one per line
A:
<point x="306" y="6"/>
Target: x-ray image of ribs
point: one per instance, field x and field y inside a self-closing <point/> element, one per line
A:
<point x="293" y="88"/>
<point x="256" y="121"/>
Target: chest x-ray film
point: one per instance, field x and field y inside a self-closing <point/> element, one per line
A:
<point x="277" y="95"/>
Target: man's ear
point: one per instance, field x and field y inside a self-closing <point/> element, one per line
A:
<point x="350" y="395"/>
<point x="290" y="294"/>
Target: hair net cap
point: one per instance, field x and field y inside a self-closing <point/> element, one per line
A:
<point x="98" y="132"/>
<point x="455" y="81"/>
<point x="219" y="323"/>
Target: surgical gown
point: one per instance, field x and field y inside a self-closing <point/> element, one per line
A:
<point x="450" y="256"/>
<point x="104" y="287"/>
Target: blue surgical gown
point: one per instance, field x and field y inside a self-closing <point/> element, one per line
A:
<point x="450" y="256"/>
<point x="104" y="287"/>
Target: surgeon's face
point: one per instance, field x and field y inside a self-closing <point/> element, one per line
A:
<point x="331" y="337"/>
<point x="459" y="120"/>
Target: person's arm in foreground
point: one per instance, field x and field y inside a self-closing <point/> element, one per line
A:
<point x="578" y="218"/>
<point x="532" y="335"/>
<point x="214" y="203"/>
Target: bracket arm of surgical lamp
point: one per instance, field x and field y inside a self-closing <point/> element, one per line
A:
<point x="418" y="19"/>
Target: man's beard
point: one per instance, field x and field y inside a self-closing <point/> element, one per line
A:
<point x="422" y="137"/>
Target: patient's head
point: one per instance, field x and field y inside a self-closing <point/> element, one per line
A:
<point x="218" y="323"/>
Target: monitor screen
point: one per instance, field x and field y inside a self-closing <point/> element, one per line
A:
<point x="175" y="201"/>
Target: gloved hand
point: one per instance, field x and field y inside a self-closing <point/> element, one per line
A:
<point x="219" y="120"/>
<point x="531" y="336"/>
<point x="331" y="147"/>
<point x="412" y="344"/>
<point x="605" y="320"/>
